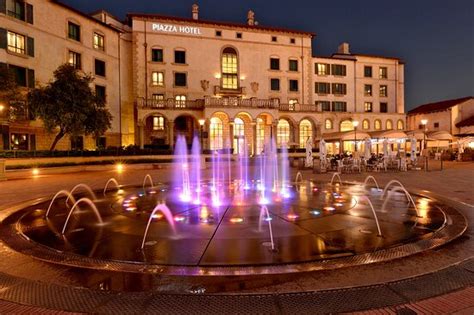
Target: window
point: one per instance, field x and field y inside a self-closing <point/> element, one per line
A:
<point x="368" y="107"/>
<point x="219" y="33"/>
<point x="157" y="55"/>
<point x="74" y="31"/>
<point x="101" y="142"/>
<point x="99" y="41"/>
<point x="283" y="132"/>
<point x="324" y="105"/>
<point x="322" y="69"/>
<point x="400" y="125"/>
<point x="339" y="106"/>
<point x="16" y="9"/>
<point x="436" y="125"/>
<point x="389" y="125"/>
<point x="338" y="70"/>
<point x="383" y="91"/>
<point x="180" y="101"/>
<point x="99" y="67"/>
<point x="339" y="88"/>
<point x="346" y="125"/>
<point x="100" y="92"/>
<point x="378" y="124"/>
<point x="158" y="123"/>
<point x="291" y="103"/>
<point x="77" y="143"/>
<point x="180" y="79"/>
<point x="157" y="97"/>
<point x="75" y="59"/>
<point x="275" y="84"/>
<point x="293" y="84"/>
<point x="239" y="133"/>
<point x="216" y="134"/>
<point x="383" y="72"/>
<point x="292" y="40"/>
<point x="306" y="132"/>
<point x="274" y="39"/>
<point x="260" y="136"/>
<point x="293" y="65"/>
<point x="328" y="124"/>
<point x="365" y="124"/>
<point x="16" y="43"/>
<point x="274" y="64"/>
<point x="180" y="56"/>
<point x="368" y="90"/>
<point x="157" y="78"/>
<point x="20" y="74"/>
<point x="230" y="79"/>
<point x="383" y="107"/>
<point x="238" y="35"/>
<point x="368" y="71"/>
<point x="322" y="88"/>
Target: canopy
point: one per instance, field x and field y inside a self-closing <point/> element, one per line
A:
<point x="392" y="134"/>
<point x="439" y="135"/>
<point x="417" y="134"/>
<point x="367" y="148"/>
<point x="346" y="136"/>
<point x="413" y="149"/>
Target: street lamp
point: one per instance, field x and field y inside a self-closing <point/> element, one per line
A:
<point x="355" y="123"/>
<point x="201" y="124"/>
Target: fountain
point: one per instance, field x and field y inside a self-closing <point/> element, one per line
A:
<point x="75" y="206"/>
<point x="59" y="193"/>
<point x="87" y="188"/>
<point x="263" y="211"/>
<point x="113" y="181"/>
<point x="375" y="215"/>
<point x="169" y="217"/>
<point x="407" y="194"/>
<point x="150" y="180"/>
<point x="370" y="177"/>
<point x="299" y="177"/>
<point x="334" y="176"/>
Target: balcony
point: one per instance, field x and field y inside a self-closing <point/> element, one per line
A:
<point x="170" y="104"/>
<point x="218" y="90"/>
<point x="242" y="103"/>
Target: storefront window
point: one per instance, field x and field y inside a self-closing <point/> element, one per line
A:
<point x="216" y="134"/>
<point x="283" y="132"/>
<point x="306" y="131"/>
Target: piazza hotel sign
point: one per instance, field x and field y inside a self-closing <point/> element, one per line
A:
<point x="175" y="29"/>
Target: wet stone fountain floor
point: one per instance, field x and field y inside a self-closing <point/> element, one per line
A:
<point x="314" y="222"/>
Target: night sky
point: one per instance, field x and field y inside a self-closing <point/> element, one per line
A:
<point x="435" y="38"/>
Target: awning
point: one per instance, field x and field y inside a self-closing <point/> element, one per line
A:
<point x="417" y="134"/>
<point x="439" y="135"/>
<point x="346" y="136"/>
<point x="388" y="134"/>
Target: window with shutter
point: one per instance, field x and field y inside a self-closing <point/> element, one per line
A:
<point x="29" y="13"/>
<point x="3" y="38"/>
<point x="31" y="78"/>
<point x="30" y="46"/>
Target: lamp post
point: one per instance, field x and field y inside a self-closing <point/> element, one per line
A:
<point x="424" y="122"/>
<point x="355" y="123"/>
<point x="201" y="124"/>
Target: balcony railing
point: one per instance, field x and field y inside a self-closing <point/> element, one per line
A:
<point x="242" y="103"/>
<point x="218" y="90"/>
<point x="170" y="104"/>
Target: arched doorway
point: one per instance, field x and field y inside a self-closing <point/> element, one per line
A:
<point x="187" y="126"/>
<point x="155" y="130"/>
<point x="305" y="131"/>
<point x="283" y="132"/>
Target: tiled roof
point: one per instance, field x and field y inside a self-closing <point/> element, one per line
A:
<point x="229" y="24"/>
<point x="438" y="106"/>
<point x="466" y="122"/>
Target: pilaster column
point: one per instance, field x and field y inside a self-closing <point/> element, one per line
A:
<point x="254" y="138"/>
<point x="141" y="135"/>
<point x="273" y="130"/>
<point x="171" y="133"/>
<point x="231" y="133"/>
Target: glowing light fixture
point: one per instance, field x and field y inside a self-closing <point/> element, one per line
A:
<point x="237" y="220"/>
<point x="35" y="171"/>
<point x="119" y="167"/>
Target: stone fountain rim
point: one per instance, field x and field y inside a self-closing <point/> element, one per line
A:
<point x="455" y="226"/>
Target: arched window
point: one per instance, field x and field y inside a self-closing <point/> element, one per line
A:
<point x="400" y="125"/>
<point x="366" y="124"/>
<point x="158" y="123"/>
<point x="346" y="125"/>
<point x="328" y="124"/>
<point x="230" y="77"/>
<point x="389" y="125"/>
<point x="306" y="131"/>
<point x="377" y="124"/>
<point x="216" y="134"/>
<point x="283" y="132"/>
<point x="239" y="135"/>
<point x="260" y="135"/>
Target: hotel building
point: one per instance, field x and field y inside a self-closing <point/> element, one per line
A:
<point x="234" y="84"/>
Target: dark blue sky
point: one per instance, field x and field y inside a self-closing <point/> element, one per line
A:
<point x="434" y="37"/>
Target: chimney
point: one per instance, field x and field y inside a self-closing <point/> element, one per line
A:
<point x="195" y="12"/>
<point x="251" y="18"/>
<point x="343" y="49"/>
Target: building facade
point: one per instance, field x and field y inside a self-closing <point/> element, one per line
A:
<point x="235" y="85"/>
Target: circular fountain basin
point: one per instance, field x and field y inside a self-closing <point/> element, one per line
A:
<point x="308" y="226"/>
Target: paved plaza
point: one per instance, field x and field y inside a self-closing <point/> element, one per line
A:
<point x="443" y="276"/>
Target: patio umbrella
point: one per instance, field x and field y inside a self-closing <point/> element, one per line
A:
<point x="413" y="149"/>
<point x="367" y="149"/>
<point x="385" y="148"/>
<point x="309" y="153"/>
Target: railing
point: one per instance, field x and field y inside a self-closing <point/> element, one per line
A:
<point x="242" y="103"/>
<point x="170" y="104"/>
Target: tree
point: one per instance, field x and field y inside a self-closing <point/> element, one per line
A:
<point x="69" y="104"/>
<point x="9" y="90"/>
